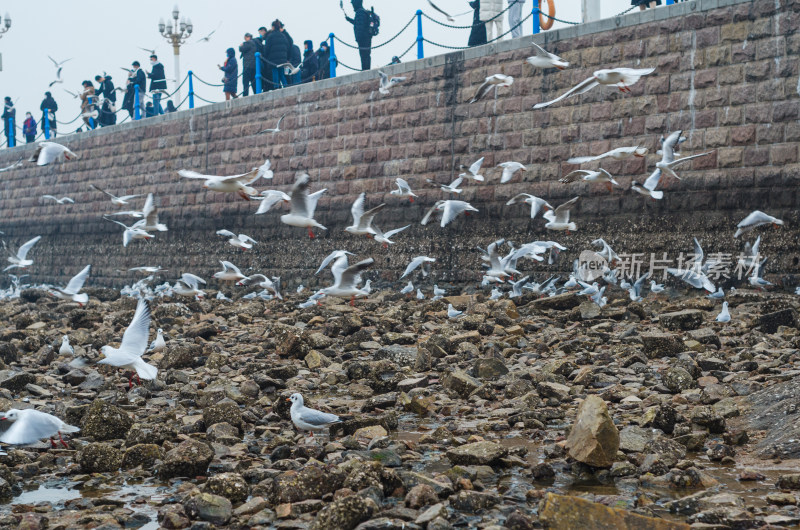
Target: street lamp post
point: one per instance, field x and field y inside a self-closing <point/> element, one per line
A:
<point x="176" y="33"/>
<point x="6" y="26"/>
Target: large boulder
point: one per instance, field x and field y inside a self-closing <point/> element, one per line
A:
<point x="208" y="507"/>
<point x="460" y="383"/>
<point x="232" y="486"/>
<point x="104" y="421"/>
<point x="189" y="459"/>
<point x="224" y="411"/>
<point x="567" y="512"/>
<point x="99" y="458"/>
<point x="661" y="344"/>
<point x="343" y="514"/>
<point x="771" y="321"/>
<point x="594" y="439"/>
<point x="686" y="320"/>
<point x="477" y="453"/>
<point x="310" y="482"/>
<point x="144" y="455"/>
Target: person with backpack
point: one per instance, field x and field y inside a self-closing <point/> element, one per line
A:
<point x="365" y="25"/>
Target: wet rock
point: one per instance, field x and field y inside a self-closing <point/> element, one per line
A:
<point x="633" y="439"/>
<point x="74" y="377"/>
<point x="150" y="433"/>
<point x="421" y="495"/>
<point x="99" y="458"/>
<point x="173" y="516"/>
<point x="661" y="344"/>
<point x="685" y="320"/>
<point x="561" y="302"/>
<point x="709" y="418"/>
<point x="315" y="360"/>
<point x="518" y="521"/>
<point x="344" y="514"/>
<point x="593" y="439"/>
<point x="311" y="482"/>
<point x="208" y="507"/>
<point x="190" y="458"/>
<point x="103" y="421"/>
<point x="232" y="486"/>
<point x="477" y="453"/>
<point x="178" y="356"/>
<point x="460" y="383"/>
<point x="144" y="455"/>
<point x="772" y="321"/>
<point x="8" y="352"/>
<point x="226" y="411"/>
<point x="677" y="380"/>
<point x="567" y="512"/>
<point x="400" y="355"/>
<point x="223" y="433"/>
<point x="789" y="481"/>
<point x="416" y="403"/>
<point x="473" y="501"/>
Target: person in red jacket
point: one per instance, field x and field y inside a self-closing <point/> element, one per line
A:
<point x="29" y="128"/>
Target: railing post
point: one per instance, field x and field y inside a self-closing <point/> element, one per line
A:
<point x="332" y="58"/>
<point x="12" y="140"/>
<point x="191" y="89"/>
<point x="670" y="2"/>
<point x="88" y="106"/>
<point x="137" y="114"/>
<point x="535" y="12"/>
<point x="46" y="124"/>
<point x="258" y="72"/>
<point x="420" y="52"/>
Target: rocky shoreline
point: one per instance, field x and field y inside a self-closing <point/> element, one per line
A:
<point x="520" y="414"/>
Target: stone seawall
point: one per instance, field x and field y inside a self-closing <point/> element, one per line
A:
<point x="726" y="73"/>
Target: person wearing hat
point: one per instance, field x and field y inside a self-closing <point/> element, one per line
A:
<point x="248" y="51"/>
<point x="231" y="70"/>
<point x="323" y="61"/>
<point x="29" y="128"/>
<point x="9" y="112"/>
<point x="139" y="79"/>
<point x="88" y="103"/>
<point x="158" y="83"/>
<point x="310" y="66"/>
<point x="277" y="48"/>
<point x="50" y="107"/>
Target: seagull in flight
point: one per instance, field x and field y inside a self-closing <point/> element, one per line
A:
<point x="535" y="202"/>
<point x="229" y="272"/>
<point x="474" y="170"/>
<point x="558" y="219"/>
<point x="545" y="59"/>
<point x="590" y="176"/>
<point x="648" y="189"/>
<point x="118" y="201"/>
<point x="263" y="282"/>
<point x="347" y="279"/>
<point x="58" y="77"/>
<point x="57" y="63"/>
<point x="30" y="425"/>
<point x="450" y="210"/>
<point x="49" y="152"/>
<point x="695" y="278"/>
<point x="403" y="190"/>
<point x="188" y="285"/>
<point x="620" y="153"/>
<point x="387" y="82"/>
<point x="385" y="238"/>
<point x="303" y="204"/>
<point x="131" y="232"/>
<point x="754" y="220"/>
<point x="621" y="77"/>
<point x="453" y="187"/>
<point x="207" y="38"/>
<point x="20" y="259"/>
<point x="239" y="241"/>
<point x="492" y="82"/>
<point x="270" y="198"/>
<point x="276" y="129"/>
<point x="415" y="263"/>
<point x="239" y="184"/>
<point x="148" y="50"/>
<point x="134" y="343"/>
<point x="73" y="288"/>
<point x="437" y="8"/>
<point x="362" y="221"/>
<point x="148" y="270"/>
<point x="62" y="200"/>
<point x="509" y="168"/>
<point x="668" y="160"/>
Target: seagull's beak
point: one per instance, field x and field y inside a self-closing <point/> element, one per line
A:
<point x="3" y="418"/>
<point x="287" y="399"/>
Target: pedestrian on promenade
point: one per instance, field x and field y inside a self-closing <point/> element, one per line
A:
<point x="140" y="80"/>
<point x="231" y="71"/>
<point x="158" y="83"/>
<point x="49" y="106"/>
<point x="515" y="17"/>
<point x="323" y="61"/>
<point x="361" y="29"/>
<point x="309" y="71"/>
<point x="248" y="51"/>
<point x="29" y="128"/>
<point x="490" y="16"/>
<point x="170" y="107"/>
<point x="477" y="36"/>
<point x="88" y="103"/>
<point x="276" y="52"/>
<point x="106" y="88"/>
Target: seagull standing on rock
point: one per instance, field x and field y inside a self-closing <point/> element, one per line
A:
<point x="66" y="348"/>
<point x="724" y="315"/>
<point x="308" y="419"/>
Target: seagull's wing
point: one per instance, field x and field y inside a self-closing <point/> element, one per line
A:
<point x="228" y="266"/>
<point x="244" y="178"/>
<point x="416" y="262"/>
<point x="668" y="146"/>
<point x="29" y="428"/>
<point x="687" y="158"/>
<point x="316" y="417"/>
<point x="357" y="210"/>
<point x="339" y="266"/>
<point x="632" y="75"/>
<point x="299" y="195"/>
<point x="365" y="221"/>
<point x="402" y="185"/>
<point x="150" y="212"/>
<point x="390" y="233"/>
<point x="580" y="88"/>
<point x="452" y="209"/>
<point x="134" y="340"/>
<point x="430" y="212"/>
<point x="246" y="239"/>
<point x="456" y="183"/>
<point x="652" y="181"/>
<point x="313" y="199"/>
<point x="384" y="79"/>
<point x="54" y="61"/>
<point x="351" y="276"/>
<point x="22" y="253"/>
<point x="521" y="197"/>
<point x="51" y="197"/>
<point x="225" y="233"/>
<point x="698" y="252"/>
<point x="255" y="279"/>
<point x="476" y="166"/>
<point x="695" y="279"/>
<point x="437" y="8"/>
<point x="191" y="280"/>
<point x="272" y="197"/>
<point x="76" y="283"/>
<point x="330" y="257"/>
<point x="189" y="174"/>
<point x="583" y="159"/>
<point x="572" y="176"/>
<point x="562" y="211"/>
<point x="280" y="120"/>
<point x="754" y="248"/>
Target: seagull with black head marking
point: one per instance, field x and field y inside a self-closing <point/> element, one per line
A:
<point x="754" y="220"/>
<point x="259" y="280"/>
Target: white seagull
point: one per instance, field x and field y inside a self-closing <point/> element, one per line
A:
<point x="270" y="198"/>
<point x="70" y="292"/>
<point x="29" y="426"/>
<point x="241" y="241"/>
<point x="362" y="221"/>
<point x="148" y="270"/>
<point x="308" y="419"/>
<point x="453" y="187"/>
<point x="450" y="210"/>
<point x="149" y="216"/>
<point x="719" y="294"/>
<point x="158" y="344"/>
<point x="696" y="279"/>
<point x="119" y="201"/>
<point x="49" y="152"/>
<point x="276" y="129"/>
<point x="656" y="288"/>
<point x="620" y="153"/>
<point x="346" y="280"/>
<point x="635" y="292"/>
<point x="590" y="176"/>
<point x="388" y="82"/>
<point x="403" y="190"/>
<point x="754" y="220"/>
<point x="188" y="285"/>
<point x="535" y="202"/>
<point x="408" y="289"/>
<point x="545" y="59"/>
<point x="20" y="259"/>
<point x="134" y="344"/>
<point x="62" y="200"/>
<point x="303" y="205"/>
<point x="558" y="219"/>
<point x="621" y="77"/>
<point x="385" y="238"/>
<point x="263" y="282"/>
<point x="474" y="170"/>
<point x="66" y="348"/>
<point x="131" y="232"/>
<point x="668" y="160"/>
<point x="335" y="255"/>
<point x="492" y="82"/>
<point x="416" y="262"/>
<point x="229" y="272"/>
<point x="452" y="312"/>
<point x="233" y="184"/>
<point x="724" y="315"/>
<point x="509" y="168"/>
<point x="648" y="189"/>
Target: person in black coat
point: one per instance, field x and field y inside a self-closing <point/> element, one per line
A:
<point x="231" y="70"/>
<point x="106" y="114"/>
<point x="276" y="52"/>
<point x="323" y="61"/>
<point x="106" y="88"/>
<point x="295" y="59"/>
<point x="138" y="78"/>
<point x="360" y="22"/>
<point x="248" y="51"/>
<point x="309" y="71"/>
<point x="477" y="36"/>
<point x="50" y="106"/>
<point x="158" y="82"/>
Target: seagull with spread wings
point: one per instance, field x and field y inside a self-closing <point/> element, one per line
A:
<point x="19" y="260"/>
<point x="620" y="153"/>
<point x="403" y="190"/>
<point x="449" y="209"/>
<point x="668" y="155"/>
<point x="536" y="203"/>
<point x="347" y="279"/>
<point x="239" y="184"/>
<point x="122" y="200"/>
<point x="558" y="219"/>
<point x="590" y="176"/>
<point x="388" y="82"/>
<point x="72" y="292"/>
<point x="62" y="200"/>
<point x="362" y="221"/>
<point x="134" y="343"/>
<point x="621" y="77"/>
<point x="303" y="204"/>
<point x="277" y="127"/>
<point x="239" y="241"/>
<point x="495" y="82"/>
<point x="545" y="59"/>
<point x="49" y="152"/>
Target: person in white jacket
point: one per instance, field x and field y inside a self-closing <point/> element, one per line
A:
<point x="490" y="9"/>
<point x="514" y="16"/>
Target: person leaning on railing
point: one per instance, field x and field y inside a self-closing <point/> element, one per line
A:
<point x="29" y="128"/>
<point x="323" y="61"/>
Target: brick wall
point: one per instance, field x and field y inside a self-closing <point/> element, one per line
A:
<point x="726" y="73"/>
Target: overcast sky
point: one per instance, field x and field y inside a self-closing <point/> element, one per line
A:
<point x="104" y="36"/>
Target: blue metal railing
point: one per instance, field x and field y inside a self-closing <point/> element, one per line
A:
<point x="420" y="52"/>
<point x="46" y="124"/>
<point x="259" y="81"/>
<point x="332" y="58"/>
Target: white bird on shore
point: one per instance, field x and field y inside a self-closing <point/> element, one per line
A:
<point x="416" y="262"/>
<point x="239" y="184"/>
<point x="620" y="153"/>
<point x="420" y="295"/>
<point x="509" y="169"/>
<point x="188" y="285"/>
<point x="473" y="171"/>
<point x="716" y="295"/>
<point x="263" y="282"/>
<point x="303" y="205"/>
<point x="49" y="152"/>
<point x="408" y="289"/>
<point x="545" y="59"/>
<point x="496" y="294"/>
<point x="724" y="315"/>
<point x="241" y="241"/>
<point x="62" y="200"/>
<point x="269" y="198"/>
<point x="453" y="187"/>
<point x="387" y="82"/>
<point x="648" y="189"/>
<point x="668" y="160"/>
<point x="558" y="219"/>
<point x="635" y="292"/>
<point x="656" y="288"/>
<point x="450" y="210"/>
<point x="452" y="312"/>
<point x="229" y="272"/>
<point x="621" y="77"/>
<point x="403" y="190"/>
<point x="754" y="220"/>
<point x="308" y="419"/>
<point x="438" y="293"/>
<point x="535" y="202"/>
<point x="492" y="82"/>
<point x="385" y="238"/>
<point x="590" y="176"/>
<point x="20" y="259"/>
<point x="70" y="292"/>
<point x="66" y="348"/>
<point x="696" y="279"/>
<point x="134" y="344"/>
<point x="29" y="426"/>
<point x="362" y="221"/>
<point x="273" y="130"/>
<point x="158" y="344"/>
<point x="131" y="232"/>
<point x="118" y="201"/>
<point x="346" y="280"/>
<point x="755" y="278"/>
